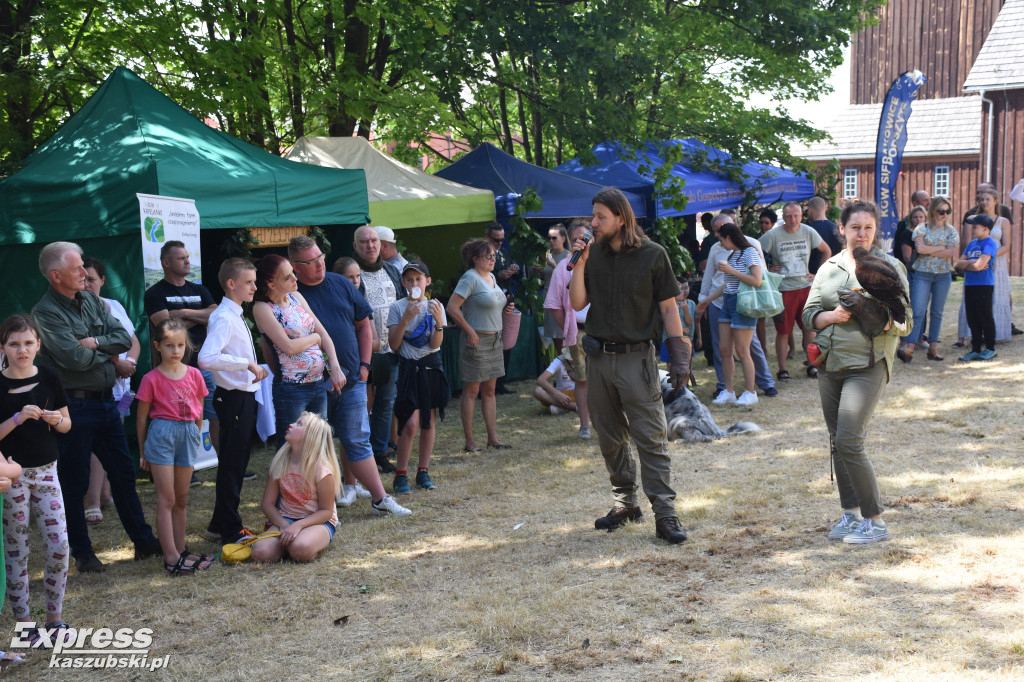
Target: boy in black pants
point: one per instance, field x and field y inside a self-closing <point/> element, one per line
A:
<point x="229" y="353"/>
<point x="977" y="263"/>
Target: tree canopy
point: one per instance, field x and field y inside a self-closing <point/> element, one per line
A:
<point x="545" y="79"/>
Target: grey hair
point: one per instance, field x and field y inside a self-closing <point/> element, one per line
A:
<point x="52" y="256"/>
<point x="721" y="219"/>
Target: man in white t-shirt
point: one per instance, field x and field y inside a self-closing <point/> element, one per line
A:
<point x="790" y="246"/>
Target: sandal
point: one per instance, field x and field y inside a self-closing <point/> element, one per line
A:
<point x="472" y="450"/>
<point x="904" y="355"/>
<point x="93" y="515"/>
<point x="783" y="376"/>
<point x="200" y="562"/>
<point x="8" y="659"/>
<point x="935" y="356"/>
<point x="179" y="568"/>
<point x="812" y="372"/>
<point x="499" y="446"/>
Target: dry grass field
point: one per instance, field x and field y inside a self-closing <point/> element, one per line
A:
<point x="500" y="573"/>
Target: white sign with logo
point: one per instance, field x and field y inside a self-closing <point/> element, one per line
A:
<point x="165" y="219"/>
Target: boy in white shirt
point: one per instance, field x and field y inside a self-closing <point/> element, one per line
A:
<point x="229" y="353"/>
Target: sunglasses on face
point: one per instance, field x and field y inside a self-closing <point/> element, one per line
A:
<point x="943" y="211"/>
<point x="490" y="257"/>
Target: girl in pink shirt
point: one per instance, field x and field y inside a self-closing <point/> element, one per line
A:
<point x="303" y="484"/>
<point x="172" y="396"/>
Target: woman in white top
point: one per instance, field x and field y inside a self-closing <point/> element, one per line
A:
<point x="98" y="495"/>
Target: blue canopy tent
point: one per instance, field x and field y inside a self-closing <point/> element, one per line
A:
<point x="487" y="167"/>
<point x="704" y="190"/>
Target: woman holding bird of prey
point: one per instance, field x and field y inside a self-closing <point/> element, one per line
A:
<point x="857" y="305"/>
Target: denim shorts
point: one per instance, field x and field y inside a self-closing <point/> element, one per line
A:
<point x="735" y="319"/>
<point x="327" y="524"/>
<point x="172" y="443"/>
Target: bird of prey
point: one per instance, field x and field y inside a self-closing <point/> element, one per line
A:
<point x="880" y="279"/>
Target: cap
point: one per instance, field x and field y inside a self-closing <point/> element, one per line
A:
<point x="418" y="266"/>
<point x="980" y="219"/>
<point x="386" y="234"/>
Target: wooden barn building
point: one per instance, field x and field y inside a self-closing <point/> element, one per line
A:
<point x="967" y="124"/>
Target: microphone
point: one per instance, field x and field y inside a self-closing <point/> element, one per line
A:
<point x="587" y="236"/>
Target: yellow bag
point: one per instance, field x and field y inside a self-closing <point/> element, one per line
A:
<point x="237" y="552"/>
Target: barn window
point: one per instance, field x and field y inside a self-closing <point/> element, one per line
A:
<point x="850" y="183"/>
<point x="941" y="181"/>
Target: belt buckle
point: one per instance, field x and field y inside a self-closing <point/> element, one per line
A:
<point x="605" y="348"/>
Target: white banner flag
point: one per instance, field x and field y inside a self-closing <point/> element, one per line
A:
<point x="165" y="219"/>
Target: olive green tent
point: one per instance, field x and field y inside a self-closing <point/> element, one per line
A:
<point x="81" y="185"/>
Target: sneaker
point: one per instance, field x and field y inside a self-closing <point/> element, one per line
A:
<point x="554" y="409"/>
<point x="748" y="398"/>
<point x="211" y="535"/>
<point x="771" y="392"/>
<point x="195" y="482"/>
<point x="618" y="516"/>
<point x="724" y="398"/>
<point x="584" y="433"/>
<point x="347" y="497"/>
<point x="388" y="507"/>
<point x="361" y="492"/>
<point x="249" y="476"/>
<point x="869" y="530"/>
<point x="401" y="485"/>
<point x="423" y="480"/>
<point x="987" y="354"/>
<point x="973" y="355"/>
<point x="383" y="465"/>
<point x="846" y="524"/>
<point x="242" y="535"/>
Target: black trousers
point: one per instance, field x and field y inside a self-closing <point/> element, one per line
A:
<point x="978" y="307"/>
<point x="236" y="411"/>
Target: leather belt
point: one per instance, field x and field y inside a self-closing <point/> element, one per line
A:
<point x="619" y="348"/>
<point x="107" y="394"/>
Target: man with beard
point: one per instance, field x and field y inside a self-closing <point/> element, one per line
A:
<point x="381" y="285"/>
<point x="628" y="281"/>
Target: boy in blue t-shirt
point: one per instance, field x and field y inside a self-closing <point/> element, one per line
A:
<point x="978" y="262"/>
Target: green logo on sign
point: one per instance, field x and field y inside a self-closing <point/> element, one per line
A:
<point x="154" y="229"/>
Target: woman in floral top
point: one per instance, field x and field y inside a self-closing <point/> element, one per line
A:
<point x="936" y="242"/>
<point x="299" y="340"/>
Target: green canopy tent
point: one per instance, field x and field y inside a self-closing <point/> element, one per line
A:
<point x="435" y="215"/>
<point x="81" y="184"/>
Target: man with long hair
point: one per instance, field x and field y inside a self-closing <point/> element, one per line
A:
<point x="627" y="279"/>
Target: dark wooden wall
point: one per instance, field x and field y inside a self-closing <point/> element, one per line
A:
<point x="942" y="38"/>
<point x="1007" y="159"/>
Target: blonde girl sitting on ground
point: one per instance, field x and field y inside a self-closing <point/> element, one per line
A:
<point x="302" y="485"/>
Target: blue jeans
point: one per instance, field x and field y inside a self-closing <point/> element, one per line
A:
<point x="96" y="428"/>
<point x="927" y="285"/>
<point x="346" y="413"/>
<point x="291" y="400"/>
<point x="762" y="371"/>
<point x="385" y="380"/>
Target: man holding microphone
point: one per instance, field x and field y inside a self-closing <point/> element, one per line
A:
<point x="627" y="279"/>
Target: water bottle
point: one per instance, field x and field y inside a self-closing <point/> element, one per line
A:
<point x="124" y="405"/>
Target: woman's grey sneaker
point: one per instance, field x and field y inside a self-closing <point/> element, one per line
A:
<point x="388" y="507"/>
<point x="869" y="530"/>
<point x="846" y="524"/>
